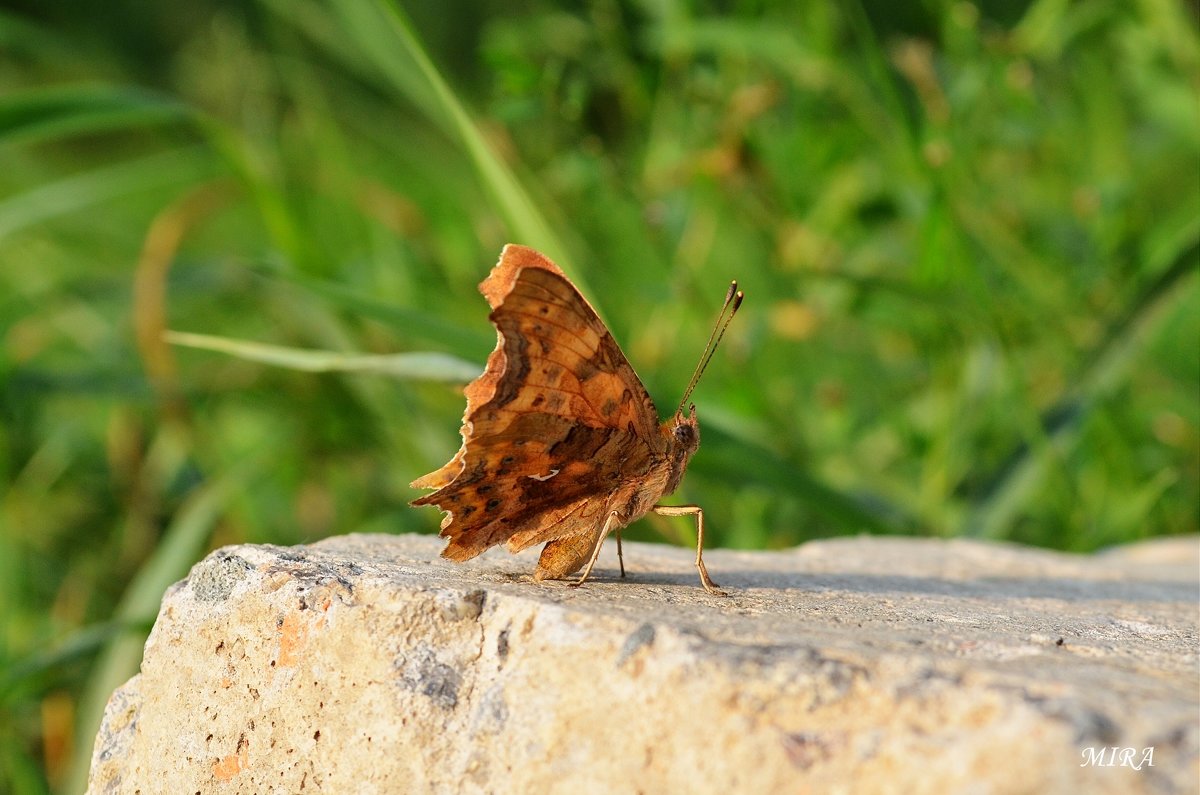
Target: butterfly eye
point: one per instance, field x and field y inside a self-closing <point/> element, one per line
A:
<point x="684" y="433"/>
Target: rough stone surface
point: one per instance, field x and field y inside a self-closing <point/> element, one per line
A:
<point x="366" y="664"/>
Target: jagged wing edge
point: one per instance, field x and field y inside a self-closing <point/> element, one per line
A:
<point x="495" y="288"/>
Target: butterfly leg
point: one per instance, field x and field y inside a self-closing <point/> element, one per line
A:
<point x="693" y="510"/>
<point x="610" y="523"/>
<point x="620" y="554"/>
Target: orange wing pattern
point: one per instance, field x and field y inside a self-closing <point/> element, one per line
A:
<point x="556" y="422"/>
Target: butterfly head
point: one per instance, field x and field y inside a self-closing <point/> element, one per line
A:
<point x="685" y="431"/>
<point x="683" y="439"/>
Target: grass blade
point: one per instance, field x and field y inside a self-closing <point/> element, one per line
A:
<point x="383" y="35"/>
<point x="108" y="182"/>
<point x="413" y="323"/>
<point x="438" y="367"/>
<point x="44" y="114"/>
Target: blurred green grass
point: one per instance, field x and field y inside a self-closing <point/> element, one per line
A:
<point x="968" y="234"/>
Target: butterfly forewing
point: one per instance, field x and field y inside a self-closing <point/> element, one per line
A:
<point x="557" y="420"/>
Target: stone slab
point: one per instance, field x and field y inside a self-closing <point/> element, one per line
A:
<point x="368" y="664"/>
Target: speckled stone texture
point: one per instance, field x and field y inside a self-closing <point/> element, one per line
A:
<point x="366" y="664"/>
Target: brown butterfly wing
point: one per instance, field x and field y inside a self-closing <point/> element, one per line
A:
<point x="555" y="424"/>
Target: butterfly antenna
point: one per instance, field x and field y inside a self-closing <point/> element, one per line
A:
<point x="733" y="299"/>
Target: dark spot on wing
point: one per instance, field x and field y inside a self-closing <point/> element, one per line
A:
<point x="581" y="443"/>
<point x="585" y="370"/>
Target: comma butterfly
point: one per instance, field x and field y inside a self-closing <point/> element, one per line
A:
<point x="561" y="443"/>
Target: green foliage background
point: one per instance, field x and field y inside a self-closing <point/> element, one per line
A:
<point x="968" y="235"/>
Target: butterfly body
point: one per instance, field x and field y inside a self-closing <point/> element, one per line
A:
<point x="561" y="442"/>
<point x="635" y="496"/>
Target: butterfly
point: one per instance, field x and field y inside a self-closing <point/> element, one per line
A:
<point x="562" y="444"/>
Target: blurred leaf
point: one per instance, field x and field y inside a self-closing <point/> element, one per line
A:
<point x="24" y="773"/>
<point x="1109" y="365"/>
<point x="80" y="643"/>
<point x="19" y="35"/>
<point x="738" y="462"/>
<point x="61" y="111"/>
<point x="91" y="188"/>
